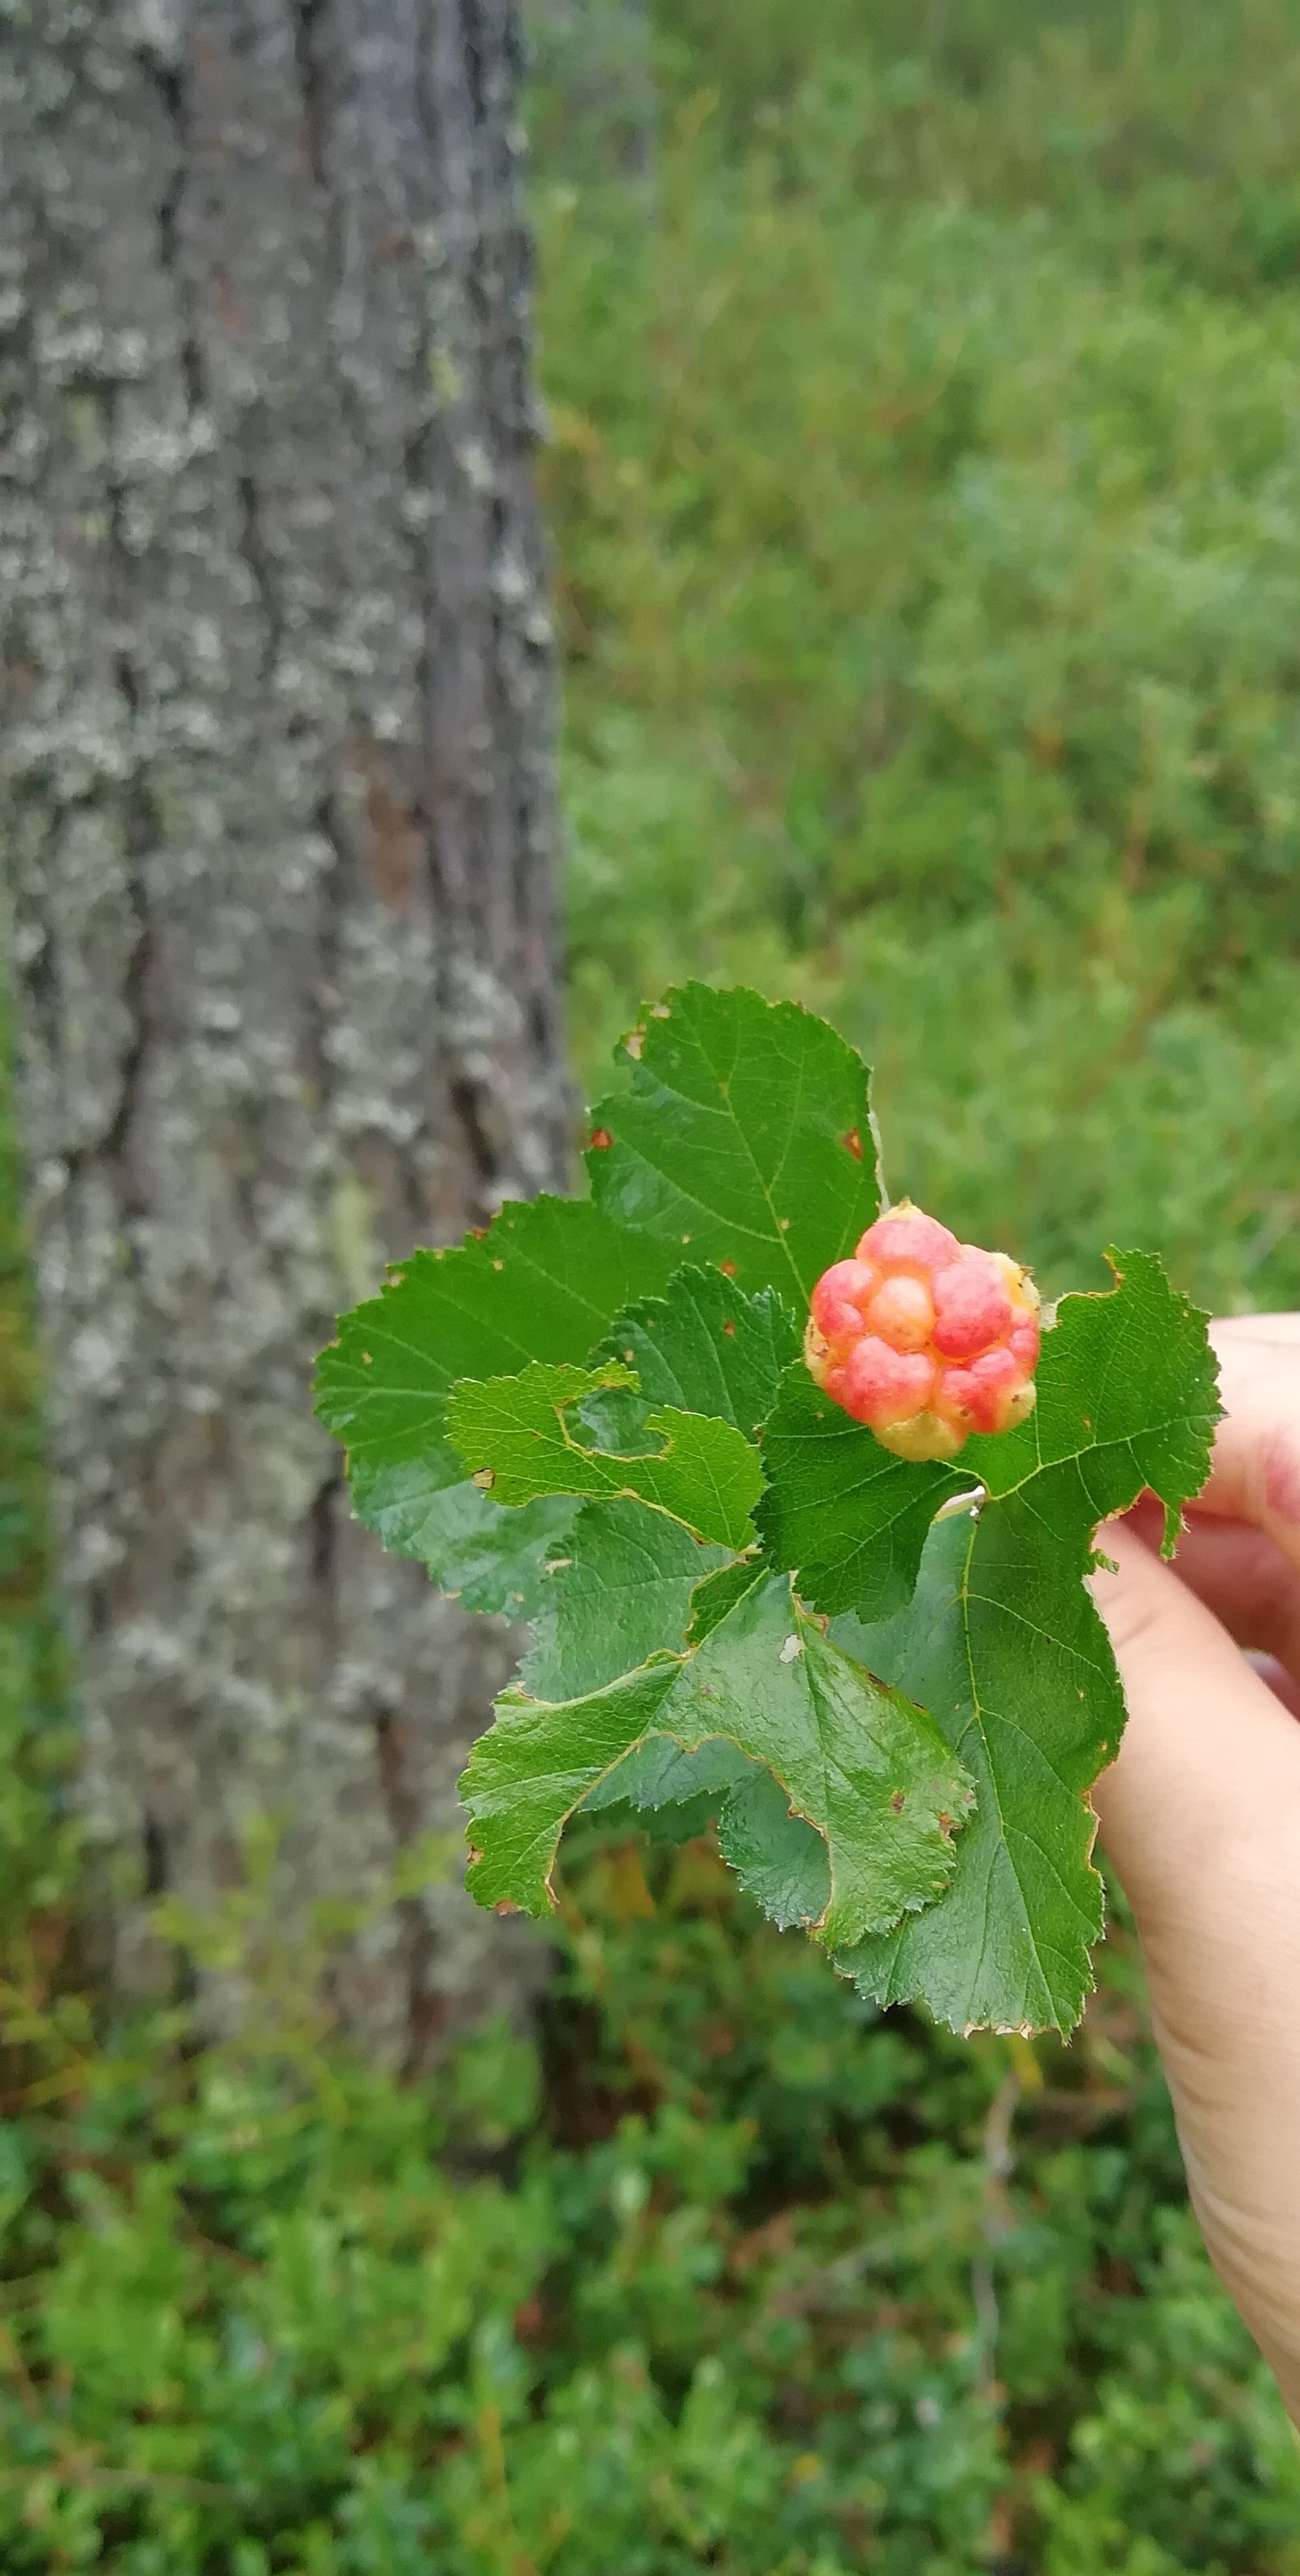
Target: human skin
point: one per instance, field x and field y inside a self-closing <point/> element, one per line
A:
<point x="1200" y="1814"/>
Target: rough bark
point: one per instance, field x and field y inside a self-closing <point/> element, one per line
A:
<point x="277" y="812"/>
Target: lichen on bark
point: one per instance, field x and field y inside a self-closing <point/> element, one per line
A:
<point x="277" y="810"/>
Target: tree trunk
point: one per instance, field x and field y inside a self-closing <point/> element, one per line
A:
<point x="277" y="810"/>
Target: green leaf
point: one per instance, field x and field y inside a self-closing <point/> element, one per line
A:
<point x="543" y="1283"/>
<point x="671" y="1795"/>
<point x="861" y="1764"/>
<point x="745" y="1133"/>
<point x="621" y="1588"/>
<point x="850" y="1517"/>
<point x="659" y="1773"/>
<point x="534" y="1766"/>
<point x="613" y="1401"/>
<point x="706" y="1347"/>
<point x="718" y="1596"/>
<point x="679" y="1822"/>
<point x="775" y="1854"/>
<point x="516" y="1430"/>
<point x="1128" y="1393"/>
<point x="623" y="1585"/>
<point x="1003" y="1644"/>
<point x="490" y="1559"/>
<point x="866" y="1769"/>
<point x="1016" y="1667"/>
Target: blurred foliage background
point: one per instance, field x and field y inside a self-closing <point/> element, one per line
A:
<point x="926" y="491"/>
<point x="924" y="484"/>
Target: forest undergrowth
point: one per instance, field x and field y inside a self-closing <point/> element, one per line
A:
<point x="924" y="484"/>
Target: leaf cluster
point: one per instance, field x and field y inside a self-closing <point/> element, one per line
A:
<point x="887" y="1682"/>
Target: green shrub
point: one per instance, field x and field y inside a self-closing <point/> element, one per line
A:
<point x="1150" y="133"/>
<point x="927" y="582"/>
<point x="725" y="2272"/>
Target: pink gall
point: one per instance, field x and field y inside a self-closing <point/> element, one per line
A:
<point x="924" y="1339"/>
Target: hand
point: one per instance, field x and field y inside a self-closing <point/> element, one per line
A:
<point x="1200" y="1814"/>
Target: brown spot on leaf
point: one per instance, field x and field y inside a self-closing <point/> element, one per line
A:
<point x="852" y="1143"/>
<point x="633" y="1044"/>
<point x="601" y="1140"/>
<point x="728" y="1269"/>
<point x="898" y="1802"/>
<point x="505" y="1905"/>
<point x="484" y="1478"/>
<point x="730" y="1331"/>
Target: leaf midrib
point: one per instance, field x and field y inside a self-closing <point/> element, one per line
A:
<point x="691" y="1198"/>
<point x="977" y="1720"/>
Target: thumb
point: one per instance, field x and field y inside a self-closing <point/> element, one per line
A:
<point x="1200" y="1813"/>
<point x="1208" y="1751"/>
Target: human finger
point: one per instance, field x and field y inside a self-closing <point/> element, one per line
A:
<point x="1281" y="1327"/>
<point x="1255" y="1472"/>
<point x="1201" y="1815"/>
<point x="1240" y="1574"/>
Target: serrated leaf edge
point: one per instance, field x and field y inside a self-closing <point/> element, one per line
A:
<point x="514" y="1699"/>
<point x="610" y="1375"/>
